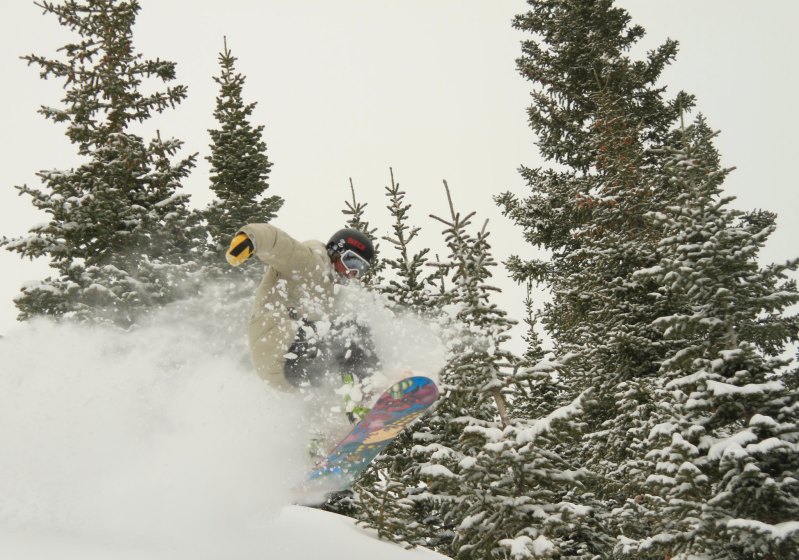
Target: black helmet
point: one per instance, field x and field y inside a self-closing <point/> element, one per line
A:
<point x="351" y="239"/>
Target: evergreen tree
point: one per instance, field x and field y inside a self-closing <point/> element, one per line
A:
<point x="383" y="491"/>
<point x="239" y="163"/>
<point x="119" y="235"/>
<point x="471" y="381"/>
<point x="481" y="484"/>
<point x="599" y="114"/>
<point x="725" y="461"/>
<point x="505" y="479"/>
<point x="410" y="288"/>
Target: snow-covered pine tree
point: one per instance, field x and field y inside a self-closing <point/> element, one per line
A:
<point x="518" y="490"/>
<point x="239" y="164"/>
<point x="119" y="236"/>
<point x="537" y="382"/>
<point x="505" y="482"/>
<point x="477" y="354"/>
<point x="472" y="395"/>
<point x="597" y="112"/>
<point x="382" y="500"/>
<point x="412" y="502"/>
<point x="724" y="458"/>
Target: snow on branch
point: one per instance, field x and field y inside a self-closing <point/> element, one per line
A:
<point x="778" y="532"/>
<point x="544" y="425"/>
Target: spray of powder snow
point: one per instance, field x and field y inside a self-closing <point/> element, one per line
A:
<point x="405" y="343"/>
<point x="163" y="438"/>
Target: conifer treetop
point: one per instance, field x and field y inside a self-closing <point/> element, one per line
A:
<point x="119" y="235"/>
<point x="240" y="166"/>
<point x="103" y="74"/>
<point x="580" y="47"/>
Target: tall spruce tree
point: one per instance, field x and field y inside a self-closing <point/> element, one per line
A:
<point x="119" y="235"/>
<point x="598" y="113"/>
<point x="687" y="417"/>
<point x="724" y="455"/>
<point x="239" y="164"/>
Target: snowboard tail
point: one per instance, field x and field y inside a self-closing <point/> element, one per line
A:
<point x="396" y="409"/>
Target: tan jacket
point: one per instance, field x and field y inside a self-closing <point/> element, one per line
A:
<point x="298" y="284"/>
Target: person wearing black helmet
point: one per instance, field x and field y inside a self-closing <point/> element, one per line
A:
<point x="351" y="252"/>
<point x="297" y="292"/>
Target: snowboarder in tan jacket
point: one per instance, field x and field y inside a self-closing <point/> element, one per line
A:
<point x="295" y="294"/>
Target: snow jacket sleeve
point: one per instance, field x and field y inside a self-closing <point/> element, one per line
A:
<point x="298" y="284"/>
<point x="279" y="250"/>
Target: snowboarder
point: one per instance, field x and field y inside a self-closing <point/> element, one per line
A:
<point x="295" y="295"/>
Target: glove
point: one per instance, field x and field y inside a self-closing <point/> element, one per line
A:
<point x="241" y="249"/>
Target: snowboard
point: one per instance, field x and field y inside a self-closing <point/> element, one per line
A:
<point x="397" y="408"/>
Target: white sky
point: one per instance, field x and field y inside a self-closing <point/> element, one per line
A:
<point x="353" y="87"/>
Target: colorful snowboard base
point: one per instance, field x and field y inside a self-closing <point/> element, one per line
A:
<point x="396" y="409"/>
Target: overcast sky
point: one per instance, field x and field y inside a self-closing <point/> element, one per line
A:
<point x="349" y="88"/>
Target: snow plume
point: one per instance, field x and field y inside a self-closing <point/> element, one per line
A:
<point x="161" y="438"/>
<point x="404" y="341"/>
<point x="161" y="441"/>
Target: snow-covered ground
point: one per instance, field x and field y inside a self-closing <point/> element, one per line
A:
<point x="162" y="443"/>
<point x="296" y="532"/>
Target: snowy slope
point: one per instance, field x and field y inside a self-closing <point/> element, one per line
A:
<point x="298" y="532"/>
<point x="159" y="443"/>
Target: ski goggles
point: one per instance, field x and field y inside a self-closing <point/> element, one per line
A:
<point x="351" y="264"/>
